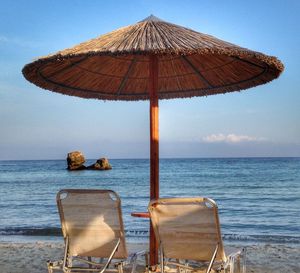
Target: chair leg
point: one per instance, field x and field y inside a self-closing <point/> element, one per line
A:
<point x="232" y="265"/>
<point x="147" y="262"/>
<point x="243" y="257"/>
<point x="89" y="259"/>
<point x="120" y="268"/>
<point x="162" y="260"/>
<point x="186" y="264"/>
<point x="178" y="268"/>
<point x="134" y="263"/>
<point x="49" y="266"/>
<point x="238" y="264"/>
<point x="213" y="259"/>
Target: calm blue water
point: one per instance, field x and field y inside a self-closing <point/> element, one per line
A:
<point x="258" y="198"/>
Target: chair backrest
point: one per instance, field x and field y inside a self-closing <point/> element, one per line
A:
<point x="187" y="228"/>
<point x="92" y="222"/>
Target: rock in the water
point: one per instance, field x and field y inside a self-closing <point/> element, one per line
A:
<point x="75" y="161"/>
<point x="101" y="164"/>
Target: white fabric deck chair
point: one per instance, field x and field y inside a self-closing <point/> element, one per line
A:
<point x="189" y="235"/>
<point x="92" y="228"/>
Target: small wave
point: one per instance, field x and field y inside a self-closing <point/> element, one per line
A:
<point x="278" y="239"/>
<point x="54" y="231"/>
<point x="32" y="231"/>
<point x="144" y="234"/>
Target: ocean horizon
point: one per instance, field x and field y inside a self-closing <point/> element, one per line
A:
<point x="147" y="158"/>
<point x="258" y="197"/>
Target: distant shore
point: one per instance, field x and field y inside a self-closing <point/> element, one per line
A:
<point x="31" y="257"/>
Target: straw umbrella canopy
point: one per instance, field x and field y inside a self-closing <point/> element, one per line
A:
<point x="152" y="60"/>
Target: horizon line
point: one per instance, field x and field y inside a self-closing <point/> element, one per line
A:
<point x="144" y="158"/>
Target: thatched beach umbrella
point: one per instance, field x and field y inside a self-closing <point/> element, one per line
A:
<point x="152" y="60"/>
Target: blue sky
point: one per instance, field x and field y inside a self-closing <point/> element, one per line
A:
<point x="38" y="124"/>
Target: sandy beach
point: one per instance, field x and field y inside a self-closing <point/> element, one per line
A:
<point x="31" y="257"/>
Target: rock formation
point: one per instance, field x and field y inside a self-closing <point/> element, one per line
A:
<point x="101" y="164"/>
<point x="75" y="161"/>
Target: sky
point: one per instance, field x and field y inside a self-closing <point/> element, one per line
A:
<point x="39" y="124"/>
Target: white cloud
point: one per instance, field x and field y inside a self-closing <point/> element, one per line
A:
<point x="230" y="138"/>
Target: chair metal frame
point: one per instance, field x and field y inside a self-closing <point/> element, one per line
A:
<point x="228" y="262"/>
<point x="66" y="265"/>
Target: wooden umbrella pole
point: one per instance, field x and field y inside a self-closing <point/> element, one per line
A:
<point x="154" y="149"/>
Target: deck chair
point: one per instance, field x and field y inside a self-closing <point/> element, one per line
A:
<point x="189" y="235"/>
<point x="92" y="228"/>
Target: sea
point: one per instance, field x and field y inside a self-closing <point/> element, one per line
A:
<point x="258" y="198"/>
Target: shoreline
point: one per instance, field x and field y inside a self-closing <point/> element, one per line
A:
<point x="231" y="239"/>
<point x="31" y="256"/>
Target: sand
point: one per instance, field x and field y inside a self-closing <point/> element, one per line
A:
<point x="31" y="257"/>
